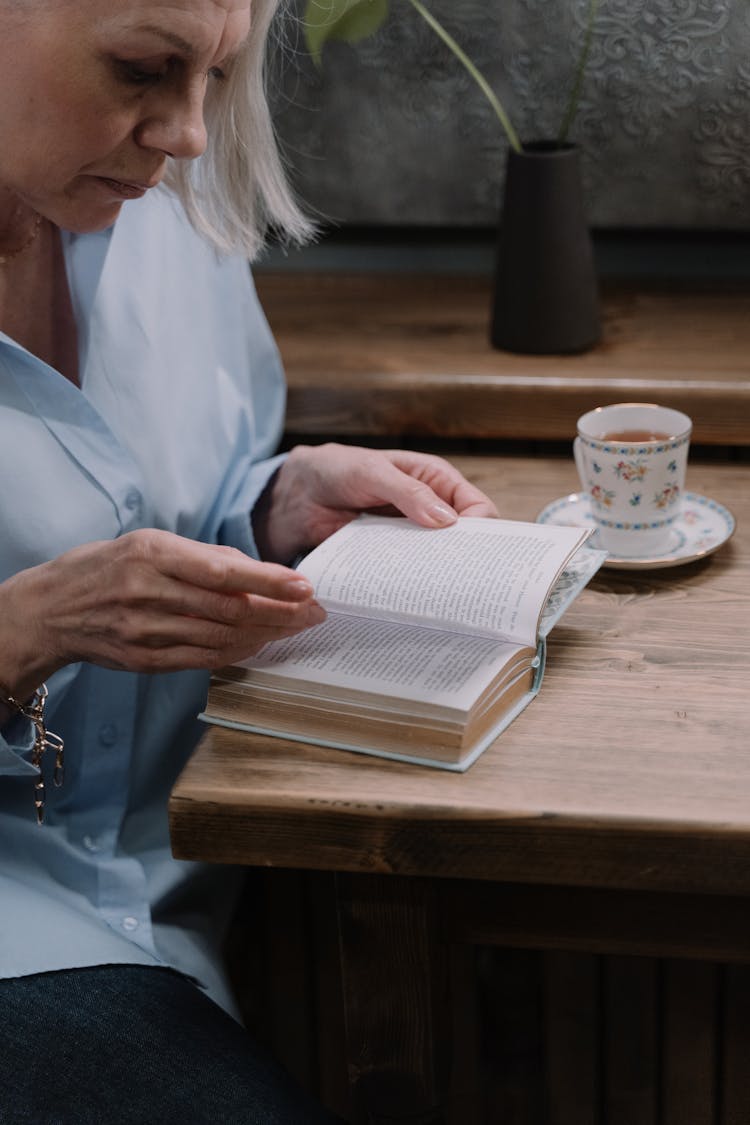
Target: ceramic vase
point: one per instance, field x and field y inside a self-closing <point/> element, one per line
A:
<point x="545" y="297"/>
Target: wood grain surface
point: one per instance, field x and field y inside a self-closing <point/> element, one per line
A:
<point x="630" y="769"/>
<point x="391" y="355"/>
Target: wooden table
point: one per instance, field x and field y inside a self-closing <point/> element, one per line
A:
<point x="399" y="354"/>
<point x="612" y="817"/>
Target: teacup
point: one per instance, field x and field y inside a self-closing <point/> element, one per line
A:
<point x="631" y="458"/>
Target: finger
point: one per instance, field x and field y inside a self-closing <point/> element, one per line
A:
<point x="154" y="630"/>
<point x="468" y="500"/>
<point x="222" y="569"/>
<point x="172" y="598"/>
<point x="447" y="482"/>
<point x="412" y="496"/>
<point x="483" y="509"/>
<point x="149" y="643"/>
<point x="178" y="657"/>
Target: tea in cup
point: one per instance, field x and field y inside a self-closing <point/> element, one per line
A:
<point x="631" y="458"/>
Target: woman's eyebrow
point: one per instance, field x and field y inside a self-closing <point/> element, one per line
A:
<point x="174" y="40"/>
<point x="182" y="45"/>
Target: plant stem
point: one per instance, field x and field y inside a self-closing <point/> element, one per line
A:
<point x="575" y="93"/>
<point x="476" y="74"/>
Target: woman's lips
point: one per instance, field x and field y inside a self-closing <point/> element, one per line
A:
<point x="122" y="189"/>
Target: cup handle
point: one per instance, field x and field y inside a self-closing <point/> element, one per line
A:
<point x="580" y="465"/>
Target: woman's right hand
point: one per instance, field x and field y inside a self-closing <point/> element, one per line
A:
<point x="150" y="601"/>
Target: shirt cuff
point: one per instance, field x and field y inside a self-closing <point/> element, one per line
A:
<point x="16" y="744"/>
<point x="18" y="733"/>
<point x="237" y="528"/>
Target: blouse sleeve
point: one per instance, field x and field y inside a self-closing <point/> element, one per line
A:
<point x="254" y="460"/>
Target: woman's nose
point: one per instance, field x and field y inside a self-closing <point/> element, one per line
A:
<point x="176" y="126"/>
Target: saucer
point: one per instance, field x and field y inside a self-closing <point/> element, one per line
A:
<point x="701" y="528"/>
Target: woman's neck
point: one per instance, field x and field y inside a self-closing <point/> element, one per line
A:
<point x="18" y="222"/>
<point x="35" y="304"/>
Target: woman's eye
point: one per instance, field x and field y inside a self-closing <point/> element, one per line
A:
<point x="139" y="75"/>
<point x="216" y="73"/>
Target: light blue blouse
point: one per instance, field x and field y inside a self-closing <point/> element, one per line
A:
<point x="179" y="412"/>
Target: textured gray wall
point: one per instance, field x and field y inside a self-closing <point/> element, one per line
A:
<point x="395" y="132"/>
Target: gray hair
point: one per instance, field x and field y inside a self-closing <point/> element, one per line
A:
<point x="238" y="188"/>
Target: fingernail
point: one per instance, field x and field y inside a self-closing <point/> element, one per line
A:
<point x="442" y="514"/>
<point x="300" y="588"/>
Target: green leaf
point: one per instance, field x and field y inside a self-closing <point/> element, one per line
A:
<point x="346" y="20"/>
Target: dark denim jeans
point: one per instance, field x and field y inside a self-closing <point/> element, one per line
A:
<point x="132" y="1045"/>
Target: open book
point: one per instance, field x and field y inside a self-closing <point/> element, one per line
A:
<point x="434" y="640"/>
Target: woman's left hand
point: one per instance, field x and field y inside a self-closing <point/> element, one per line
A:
<point x="318" y="489"/>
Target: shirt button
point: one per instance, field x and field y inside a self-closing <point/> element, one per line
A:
<point x="108" y="734"/>
<point x="130" y="923"/>
<point x="90" y="844"/>
<point x="133" y="499"/>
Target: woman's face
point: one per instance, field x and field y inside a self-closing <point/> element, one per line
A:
<point x="95" y="94"/>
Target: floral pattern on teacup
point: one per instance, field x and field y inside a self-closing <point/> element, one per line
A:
<point x="668" y="496"/>
<point x="602" y="495"/>
<point x="630" y="470"/>
<point x="635" y="499"/>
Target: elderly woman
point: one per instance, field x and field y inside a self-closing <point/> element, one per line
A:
<point x="144" y="530"/>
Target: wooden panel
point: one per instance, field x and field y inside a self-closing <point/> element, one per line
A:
<point x="328" y="989"/>
<point x="597" y="920"/>
<point x="396" y="990"/>
<point x="512" y="1022"/>
<point x="466" y="1100"/>
<point x="410" y="355"/>
<point x="573" y="1024"/>
<point x="690" y="1041"/>
<point x="734" y="1082"/>
<point x="429" y="1027"/>
<point x="630" y="1080"/>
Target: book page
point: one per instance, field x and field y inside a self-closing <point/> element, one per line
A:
<point x="384" y="657"/>
<point x="578" y="571"/>
<point x="489" y="577"/>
